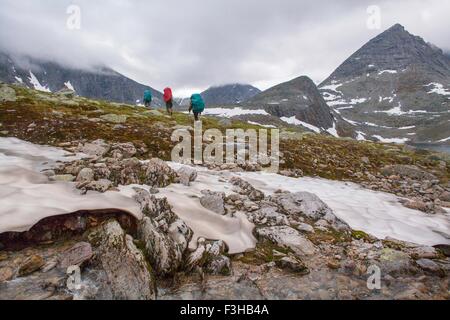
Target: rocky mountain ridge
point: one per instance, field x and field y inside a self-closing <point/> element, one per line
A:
<point x="98" y="83"/>
<point x="396" y="88"/>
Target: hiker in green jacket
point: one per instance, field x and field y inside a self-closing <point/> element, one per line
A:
<point x="197" y="105"/>
<point x="148" y="99"/>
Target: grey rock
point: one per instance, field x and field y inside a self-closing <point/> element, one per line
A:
<point x="186" y="175"/>
<point x="309" y="205"/>
<point x="213" y="201"/>
<point x="289" y="238"/>
<point x="428" y="265"/>
<point x="121" y="272"/>
<point x="97" y="148"/>
<point x="85" y="175"/>
<point x="77" y="255"/>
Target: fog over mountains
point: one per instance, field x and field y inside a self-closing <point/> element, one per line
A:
<point x="395" y="88"/>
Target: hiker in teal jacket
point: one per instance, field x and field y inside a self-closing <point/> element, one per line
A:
<point x="147" y="98"/>
<point x="197" y="105"/>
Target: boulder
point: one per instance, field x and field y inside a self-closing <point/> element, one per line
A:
<point x="186" y="175"/>
<point x="394" y="262"/>
<point x="428" y="265"/>
<point x="213" y="201"/>
<point x="120" y="269"/>
<point x="247" y="189"/>
<point x="164" y="236"/>
<point x="288" y="237"/>
<point x="30" y="265"/>
<point x="127" y="150"/>
<point x="309" y="205"/>
<point x="97" y="148"/>
<point x="158" y="173"/>
<point x="85" y="175"/>
<point x="76" y="255"/>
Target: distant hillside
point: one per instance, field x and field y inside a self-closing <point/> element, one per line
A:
<point x="229" y="94"/>
<point x="101" y="83"/>
<point x="396" y="88"/>
<point x="299" y="102"/>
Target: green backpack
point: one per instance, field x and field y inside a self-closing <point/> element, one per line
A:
<point x="147" y="96"/>
<point x="198" y="105"/>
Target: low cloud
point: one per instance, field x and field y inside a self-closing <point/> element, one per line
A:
<point x="191" y="45"/>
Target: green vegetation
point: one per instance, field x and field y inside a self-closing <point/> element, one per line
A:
<point x="53" y="119"/>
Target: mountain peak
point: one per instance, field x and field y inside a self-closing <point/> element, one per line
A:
<point x="396" y="28"/>
<point x="394" y="49"/>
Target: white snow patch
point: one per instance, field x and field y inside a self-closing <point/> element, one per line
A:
<point x="387" y="71"/>
<point x="438" y="88"/>
<point x="229" y="113"/>
<point x="376" y="213"/>
<point x="333" y="131"/>
<point x="391" y="140"/>
<point x="293" y="120"/>
<point x="69" y="85"/>
<point x="261" y="125"/>
<point x="444" y="140"/>
<point x="19" y="79"/>
<point x="353" y="123"/>
<point x="361" y="136"/>
<point x="36" y="84"/>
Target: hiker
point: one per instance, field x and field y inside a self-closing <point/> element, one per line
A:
<point x="168" y="98"/>
<point x="148" y="99"/>
<point x="197" y="105"/>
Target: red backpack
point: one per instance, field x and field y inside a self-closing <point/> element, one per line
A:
<point x="167" y="94"/>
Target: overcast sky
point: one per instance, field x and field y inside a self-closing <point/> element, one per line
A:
<point x="192" y="44"/>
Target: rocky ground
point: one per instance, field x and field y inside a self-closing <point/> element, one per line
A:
<point x="303" y="250"/>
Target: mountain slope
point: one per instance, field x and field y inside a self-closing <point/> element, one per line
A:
<point x="101" y="83"/>
<point x="395" y="88"/>
<point x="299" y="102"/>
<point x="229" y="94"/>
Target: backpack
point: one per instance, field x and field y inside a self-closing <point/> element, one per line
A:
<point x="198" y="105"/>
<point x="147" y="96"/>
<point x="167" y="94"/>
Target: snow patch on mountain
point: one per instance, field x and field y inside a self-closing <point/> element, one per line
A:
<point x="293" y="120"/>
<point x="261" y="125"/>
<point x="36" y="84"/>
<point x="438" y="88"/>
<point x="391" y="140"/>
<point x="229" y="113"/>
<point x="69" y="85"/>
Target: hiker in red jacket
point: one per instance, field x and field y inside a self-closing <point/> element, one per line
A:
<point x="168" y="98"/>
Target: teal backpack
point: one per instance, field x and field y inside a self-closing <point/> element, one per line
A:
<point x="198" y="105"/>
<point x="147" y="96"/>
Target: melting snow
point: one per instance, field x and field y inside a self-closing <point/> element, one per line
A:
<point x="397" y="111"/>
<point x="262" y="125"/>
<point x="333" y="131"/>
<point x="438" y="88"/>
<point x="36" y="84"/>
<point x="293" y="120"/>
<point x="27" y="197"/>
<point x="361" y="136"/>
<point x="387" y="71"/>
<point x="376" y="213"/>
<point x="444" y="140"/>
<point x="19" y="79"/>
<point x="69" y="85"/>
<point x="229" y="113"/>
<point x="391" y="140"/>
